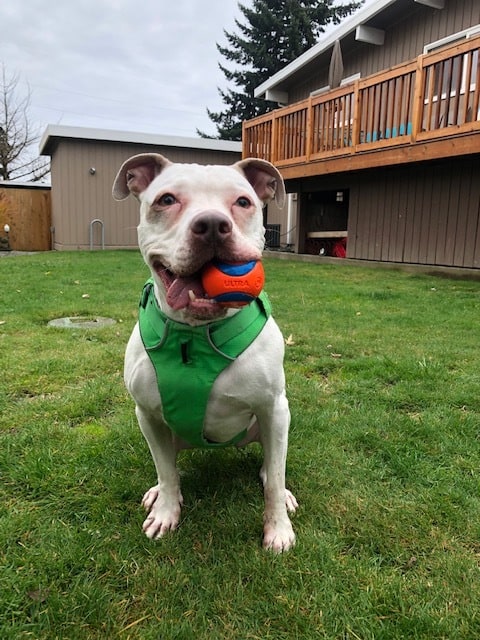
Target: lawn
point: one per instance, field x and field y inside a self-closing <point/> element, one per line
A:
<point x="384" y="386"/>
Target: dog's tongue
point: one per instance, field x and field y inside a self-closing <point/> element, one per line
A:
<point x="178" y="296"/>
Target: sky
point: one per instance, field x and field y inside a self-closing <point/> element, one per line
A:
<point x="146" y="66"/>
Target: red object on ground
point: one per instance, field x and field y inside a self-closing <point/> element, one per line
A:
<point x="340" y="248"/>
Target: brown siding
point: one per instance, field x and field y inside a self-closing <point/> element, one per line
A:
<point x="27" y="210"/>
<point x="79" y="197"/>
<point x="427" y="214"/>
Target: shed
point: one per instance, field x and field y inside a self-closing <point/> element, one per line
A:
<point x="84" y="163"/>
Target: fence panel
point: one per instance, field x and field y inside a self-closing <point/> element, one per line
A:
<point x="28" y="212"/>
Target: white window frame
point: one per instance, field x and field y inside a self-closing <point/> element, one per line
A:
<point x="443" y="42"/>
<point x="454" y="37"/>
<point x="343" y="83"/>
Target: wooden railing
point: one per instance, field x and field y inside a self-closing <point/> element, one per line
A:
<point x="434" y="96"/>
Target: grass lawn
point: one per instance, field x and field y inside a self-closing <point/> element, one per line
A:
<point x="384" y="386"/>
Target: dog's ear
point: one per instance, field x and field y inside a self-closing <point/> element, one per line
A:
<point x="137" y="173"/>
<point x="264" y="178"/>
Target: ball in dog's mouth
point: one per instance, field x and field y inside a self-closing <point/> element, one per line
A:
<point x="187" y="292"/>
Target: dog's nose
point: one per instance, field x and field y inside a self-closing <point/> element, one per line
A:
<point x="211" y="226"/>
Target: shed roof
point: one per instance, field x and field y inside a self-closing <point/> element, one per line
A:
<point x="55" y="133"/>
<point x="12" y="184"/>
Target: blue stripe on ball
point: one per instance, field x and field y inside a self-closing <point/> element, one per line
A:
<point x="236" y="269"/>
<point x="234" y="297"/>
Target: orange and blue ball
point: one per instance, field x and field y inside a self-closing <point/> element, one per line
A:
<point x="233" y="284"/>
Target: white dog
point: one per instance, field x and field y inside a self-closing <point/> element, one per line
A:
<point x="190" y="215"/>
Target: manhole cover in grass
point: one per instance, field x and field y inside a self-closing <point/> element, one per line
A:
<point x="81" y="322"/>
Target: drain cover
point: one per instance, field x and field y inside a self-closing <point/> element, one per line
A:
<point x="81" y="322"/>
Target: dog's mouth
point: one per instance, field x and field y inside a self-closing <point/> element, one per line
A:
<point x="187" y="293"/>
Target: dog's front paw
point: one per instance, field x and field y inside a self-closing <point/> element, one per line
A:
<point x="278" y="535"/>
<point x="163" y="513"/>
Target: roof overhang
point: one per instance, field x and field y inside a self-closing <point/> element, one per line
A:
<point x="55" y="133"/>
<point x="12" y="184"/>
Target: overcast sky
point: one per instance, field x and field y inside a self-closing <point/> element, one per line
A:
<point x="147" y="66"/>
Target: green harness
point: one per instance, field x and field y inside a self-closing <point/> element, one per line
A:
<point x="189" y="359"/>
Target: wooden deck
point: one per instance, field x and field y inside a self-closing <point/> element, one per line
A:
<point x="423" y="109"/>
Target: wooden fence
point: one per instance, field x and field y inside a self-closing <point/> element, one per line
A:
<point x="26" y="209"/>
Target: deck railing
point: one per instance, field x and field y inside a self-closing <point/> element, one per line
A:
<point x="433" y="96"/>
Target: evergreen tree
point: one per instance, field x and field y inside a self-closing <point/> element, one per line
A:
<point x="275" y="33"/>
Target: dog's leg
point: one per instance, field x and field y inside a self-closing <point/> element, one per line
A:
<point x="290" y="500"/>
<point x="164" y="500"/>
<point x="278" y="533"/>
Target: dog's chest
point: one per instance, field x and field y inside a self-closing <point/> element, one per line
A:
<point x="188" y="360"/>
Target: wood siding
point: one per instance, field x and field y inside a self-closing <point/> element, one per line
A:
<point x="422" y="214"/>
<point x="78" y="197"/>
<point x="27" y="210"/>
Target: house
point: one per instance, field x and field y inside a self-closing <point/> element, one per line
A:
<point x="377" y="135"/>
<point x="84" y="163"/>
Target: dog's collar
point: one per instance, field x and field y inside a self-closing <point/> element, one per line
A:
<point x="191" y="358"/>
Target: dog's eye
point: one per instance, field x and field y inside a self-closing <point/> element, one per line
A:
<point x="243" y="202"/>
<point x="166" y="200"/>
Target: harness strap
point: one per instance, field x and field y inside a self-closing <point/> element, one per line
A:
<point x="191" y="358"/>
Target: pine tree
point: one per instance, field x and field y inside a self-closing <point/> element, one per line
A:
<point x="275" y="33"/>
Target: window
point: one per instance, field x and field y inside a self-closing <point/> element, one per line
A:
<point x="447" y="74"/>
<point x="343" y="83"/>
<point x="455" y="37"/>
<point x="451" y="83"/>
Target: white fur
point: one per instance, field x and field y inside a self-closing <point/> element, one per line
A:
<point x="249" y="393"/>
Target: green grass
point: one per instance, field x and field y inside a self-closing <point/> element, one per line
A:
<point x="384" y="386"/>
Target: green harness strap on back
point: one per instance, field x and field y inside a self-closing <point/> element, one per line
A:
<point x="189" y="359"/>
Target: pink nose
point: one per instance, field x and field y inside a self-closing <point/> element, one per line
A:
<point x="211" y="226"/>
